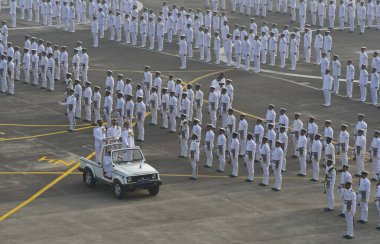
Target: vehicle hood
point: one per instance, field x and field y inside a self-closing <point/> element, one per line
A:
<point x="132" y="169"/>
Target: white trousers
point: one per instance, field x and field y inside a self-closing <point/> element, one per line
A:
<point x="335" y="84"/>
<point x="283" y="59"/>
<point x="349" y="87"/>
<point x="360" y="163"/>
<point x="183" y="61"/>
<point x="350" y="223"/>
<point x="151" y="41"/>
<point x="222" y="160"/>
<point x="13" y="20"/>
<point x="143" y="39"/>
<point x="26" y="75"/>
<point x="118" y="34"/>
<point x="272" y="55"/>
<point x="363" y="93"/>
<point x="141" y="130"/>
<point x="327" y="94"/>
<point x="265" y="168"/>
<point x="235" y="165"/>
<point x="374" y="95"/>
<point x="127" y="36"/>
<point x="194" y="169"/>
<point x="278" y="177"/>
<point x="112" y="33"/>
<point x="87" y="110"/>
<point x="50" y="78"/>
<point x="330" y="198"/>
<point x="160" y="43"/>
<point x="173" y="122"/>
<point x="184" y="146"/>
<point x="315" y="164"/>
<point x="209" y="155"/>
<point x="70" y="115"/>
<point x="72" y="25"/>
<point x="302" y="160"/>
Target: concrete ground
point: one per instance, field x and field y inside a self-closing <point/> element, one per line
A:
<point x="38" y="155"/>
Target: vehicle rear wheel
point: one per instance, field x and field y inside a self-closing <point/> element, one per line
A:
<point x="118" y="189"/>
<point x="153" y="191"/>
<point x="89" y="178"/>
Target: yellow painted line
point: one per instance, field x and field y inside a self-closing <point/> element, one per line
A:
<point x="25" y="125"/>
<point x="50" y="185"/>
<point x="2" y="133"/>
<point x="44" y="135"/>
<point x="44" y="189"/>
<point x="35" y="173"/>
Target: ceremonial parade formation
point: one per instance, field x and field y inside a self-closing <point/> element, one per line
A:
<point x="210" y="131"/>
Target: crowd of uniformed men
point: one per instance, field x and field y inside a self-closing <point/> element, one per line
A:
<point x="266" y="144"/>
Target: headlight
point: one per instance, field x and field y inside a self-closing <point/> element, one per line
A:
<point x="154" y="176"/>
<point x="129" y="179"/>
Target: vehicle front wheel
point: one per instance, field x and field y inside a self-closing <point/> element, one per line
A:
<point x="89" y="178"/>
<point x="153" y="191"/>
<point x="118" y="189"/>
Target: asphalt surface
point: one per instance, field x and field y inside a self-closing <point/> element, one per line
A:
<point x="35" y="149"/>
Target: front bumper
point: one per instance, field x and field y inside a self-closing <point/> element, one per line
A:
<point x="138" y="186"/>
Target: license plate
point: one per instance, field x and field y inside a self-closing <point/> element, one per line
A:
<point x="143" y="181"/>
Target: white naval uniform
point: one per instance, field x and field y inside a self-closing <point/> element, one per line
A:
<point x="194" y="157"/>
<point x="99" y="136"/>
<point x="301" y="153"/>
<point x="350" y="74"/>
<point x="234" y="157"/>
<point x="184" y="137"/>
<point x="336" y="71"/>
<point x="140" y="115"/>
<point x="360" y="147"/>
<point x="208" y="146"/>
<point x="71" y="108"/>
<point x="363" y="198"/>
<point x="250" y="150"/>
<point x="221" y="150"/>
<point x="265" y="160"/>
<point x="326" y="88"/>
<point x="277" y="158"/>
<point x="316" y="155"/>
<point x="343" y="144"/>
<point x="349" y="209"/>
<point x="329" y="185"/>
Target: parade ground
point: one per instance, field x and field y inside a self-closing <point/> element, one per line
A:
<point x="44" y="200"/>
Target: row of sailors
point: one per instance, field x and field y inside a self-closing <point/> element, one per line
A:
<point x="46" y="63"/>
<point x="67" y="12"/>
<point x="348" y="197"/>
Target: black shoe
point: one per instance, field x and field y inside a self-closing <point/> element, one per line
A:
<point x="240" y="156"/>
<point x="232" y="176"/>
<point x="283" y="171"/>
<point x="162" y="127"/>
<point x="77" y="117"/>
<point x="276" y="189"/>
<point x="248" y="180"/>
<point x="294" y="156"/>
<point x="364" y="222"/>
<point x="192" y="178"/>
<point x="206" y="166"/>
<point x="273" y="189"/>
<point x="373" y="180"/>
<point x="349" y="237"/>
<point x="70" y="130"/>
<point x="345" y="236"/>
<point x="257" y="161"/>
<point x="218" y="171"/>
<point x="378" y="228"/>
<point x="85" y="120"/>
<point x="357" y="175"/>
<point x="328" y="209"/>
<point x="342" y="215"/>
<point x="302" y="175"/>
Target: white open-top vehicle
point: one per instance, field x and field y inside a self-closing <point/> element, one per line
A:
<point x="123" y="168"/>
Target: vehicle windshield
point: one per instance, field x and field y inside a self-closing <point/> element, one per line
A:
<point x="127" y="156"/>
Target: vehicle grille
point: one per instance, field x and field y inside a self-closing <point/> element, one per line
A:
<point x="140" y="177"/>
